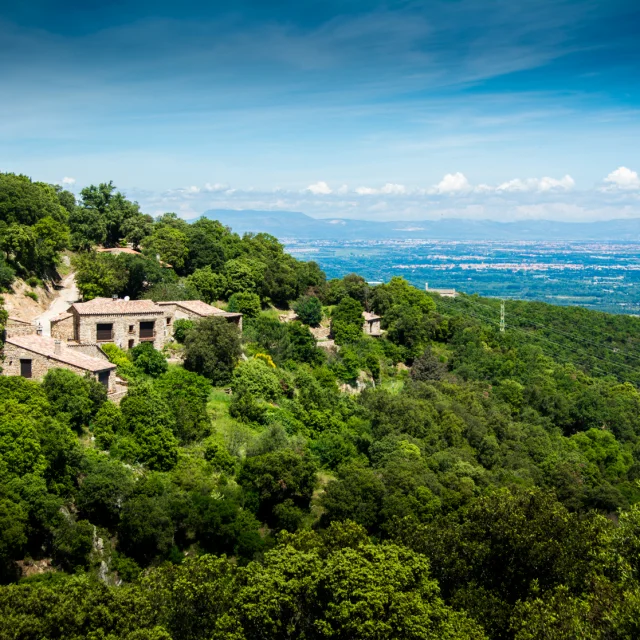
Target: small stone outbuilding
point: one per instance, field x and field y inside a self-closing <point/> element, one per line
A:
<point x="371" y="325"/>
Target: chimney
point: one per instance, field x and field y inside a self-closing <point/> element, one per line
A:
<point x="114" y="296"/>
<point x="39" y="329"/>
<point x="57" y="347"/>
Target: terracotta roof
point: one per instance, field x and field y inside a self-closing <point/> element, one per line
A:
<point x="201" y="308"/>
<point x="62" y="316"/>
<point x="370" y="317"/>
<point x="111" y="307"/>
<point x="45" y="346"/>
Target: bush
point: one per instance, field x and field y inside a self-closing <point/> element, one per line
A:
<point x="180" y="329"/>
<point x="32" y="281"/>
<point x="7" y="274"/>
<point x="309" y="310"/>
<point x="219" y="457"/>
<point x="149" y="360"/>
<point x="108" y="422"/>
<point x="212" y="349"/>
<point x="257" y="378"/>
<point x="117" y="356"/>
<point x="246" y="303"/>
<point x="32" y="295"/>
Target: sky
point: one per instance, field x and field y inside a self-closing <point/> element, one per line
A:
<point x="396" y="110"/>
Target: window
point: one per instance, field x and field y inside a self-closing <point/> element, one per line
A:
<point x="168" y="320"/>
<point x="132" y="328"/>
<point x="25" y="368"/>
<point x="103" y="378"/>
<point x="104" y="332"/>
<point x="147" y="330"/>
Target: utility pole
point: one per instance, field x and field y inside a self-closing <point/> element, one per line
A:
<point x="501" y="316"/>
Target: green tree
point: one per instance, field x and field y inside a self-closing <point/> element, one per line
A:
<point x="276" y="477"/>
<point x="245" y="303"/>
<point x="309" y="310"/>
<point x="169" y="244"/>
<point x="211" y="286"/>
<point x="212" y="349"/>
<point x="105" y="487"/>
<point x="346" y="320"/>
<point x="148" y="359"/>
<point x="71" y="397"/>
<point x="186" y="393"/>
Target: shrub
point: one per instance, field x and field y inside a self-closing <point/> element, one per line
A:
<point x="117" y="356"/>
<point x="32" y="281"/>
<point x="149" y="360"/>
<point x="180" y="329"/>
<point x="32" y="295"/>
<point x="309" y="310"/>
<point x="246" y="303"/>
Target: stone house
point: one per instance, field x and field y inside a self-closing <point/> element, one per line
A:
<point x="445" y="293"/>
<point x="127" y="323"/>
<point x="32" y="356"/>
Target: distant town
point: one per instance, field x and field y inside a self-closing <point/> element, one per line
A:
<point x="603" y="276"/>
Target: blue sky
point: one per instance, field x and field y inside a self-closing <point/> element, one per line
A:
<point x="398" y="110"/>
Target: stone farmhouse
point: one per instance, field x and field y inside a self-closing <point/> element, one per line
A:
<point x="127" y="323"/>
<point x="78" y="333"/>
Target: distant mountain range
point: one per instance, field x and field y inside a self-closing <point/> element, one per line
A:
<point x="295" y="225"/>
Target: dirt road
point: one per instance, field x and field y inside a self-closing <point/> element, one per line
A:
<point x="65" y="297"/>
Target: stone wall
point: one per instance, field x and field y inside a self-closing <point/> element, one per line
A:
<point x="63" y="329"/>
<point x="15" y="327"/>
<point x="41" y="364"/>
<point x="123" y="337"/>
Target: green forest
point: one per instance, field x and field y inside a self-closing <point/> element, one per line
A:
<point x="446" y="480"/>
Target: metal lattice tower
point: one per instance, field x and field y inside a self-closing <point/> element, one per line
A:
<point x="501" y="316"/>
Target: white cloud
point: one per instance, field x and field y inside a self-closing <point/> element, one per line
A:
<point x="537" y="184"/>
<point x="319" y="189"/>
<point x="68" y="182"/>
<point x="451" y="183"/>
<point x="388" y="189"/>
<point x="213" y="188"/>
<point x="623" y="178"/>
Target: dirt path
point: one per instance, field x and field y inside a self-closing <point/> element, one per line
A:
<point x="65" y="297"/>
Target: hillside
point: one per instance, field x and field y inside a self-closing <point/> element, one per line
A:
<point x="443" y="480"/>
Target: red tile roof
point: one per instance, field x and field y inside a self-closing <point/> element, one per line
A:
<point x="45" y="346"/>
<point x="111" y="307"/>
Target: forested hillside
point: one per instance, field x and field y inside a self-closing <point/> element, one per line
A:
<point x="444" y="480"/>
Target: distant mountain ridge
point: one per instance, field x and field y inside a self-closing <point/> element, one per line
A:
<point x="297" y="225"/>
